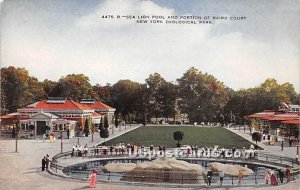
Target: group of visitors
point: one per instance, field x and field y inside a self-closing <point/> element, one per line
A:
<point x="45" y="162"/>
<point x="79" y="151"/>
<point x="272" y="175"/>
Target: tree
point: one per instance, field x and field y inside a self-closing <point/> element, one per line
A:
<point x="86" y="128"/>
<point x="201" y="96"/>
<point x="126" y="97"/>
<point x="106" y="125"/>
<point x="256" y="136"/>
<point x="48" y="86"/>
<point x="178" y="136"/>
<point x="75" y="86"/>
<point x="104" y="133"/>
<point x="101" y="123"/>
<point x="18" y="89"/>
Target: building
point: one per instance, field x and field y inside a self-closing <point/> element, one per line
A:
<point x="284" y="122"/>
<point x="56" y="115"/>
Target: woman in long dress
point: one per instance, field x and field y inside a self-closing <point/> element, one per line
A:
<point x="93" y="179"/>
<point x="273" y="180"/>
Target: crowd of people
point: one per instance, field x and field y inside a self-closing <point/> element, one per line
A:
<point x="80" y="151"/>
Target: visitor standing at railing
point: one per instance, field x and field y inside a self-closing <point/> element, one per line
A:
<point x="288" y="174"/>
<point x="267" y="176"/>
<point x="221" y="175"/>
<point x="240" y="176"/>
<point x="280" y="175"/>
<point x="209" y="176"/>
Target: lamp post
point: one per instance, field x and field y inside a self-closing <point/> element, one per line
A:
<point x="17" y="131"/>
<point x="61" y="139"/>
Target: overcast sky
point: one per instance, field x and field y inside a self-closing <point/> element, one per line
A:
<point x="53" y="38"/>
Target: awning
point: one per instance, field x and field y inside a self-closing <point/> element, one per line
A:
<point x="294" y="121"/>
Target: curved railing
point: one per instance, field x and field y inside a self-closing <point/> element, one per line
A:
<point x="261" y="159"/>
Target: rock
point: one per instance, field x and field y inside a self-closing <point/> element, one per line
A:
<point x="160" y="170"/>
<point x="119" y="167"/>
<point x="229" y="169"/>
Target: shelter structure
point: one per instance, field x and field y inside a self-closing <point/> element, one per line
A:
<point x="55" y="115"/>
<point x="284" y="122"/>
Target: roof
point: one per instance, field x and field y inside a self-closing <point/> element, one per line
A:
<point x="66" y="105"/>
<point x="96" y="105"/>
<point x="294" y="121"/>
<point x="10" y="116"/>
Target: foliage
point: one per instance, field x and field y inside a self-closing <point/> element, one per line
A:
<point x="101" y="123"/>
<point x="103" y="92"/>
<point x="104" y="133"/>
<point x="127" y="98"/>
<point x="256" y="136"/>
<point x="86" y="130"/>
<point x="201" y="96"/>
<point x="178" y="136"/>
<point x="106" y="125"/>
<point x="18" y="89"/>
<point x="75" y="86"/>
<point x="161" y="96"/>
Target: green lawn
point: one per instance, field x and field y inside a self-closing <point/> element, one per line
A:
<point x="200" y="136"/>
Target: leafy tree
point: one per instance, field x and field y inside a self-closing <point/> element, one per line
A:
<point x="18" y="89"/>
<point x="256" y="136"/>
<point x="106" y="125"/>
<point x="178" y="136"/>
<point x="48" y="86"/>
<point x="126" y="97"/>
<point x="201" y="96"/>
<point x="104" y="133"/>
<point x="162" y="96"/>
<point x="75" y="86"/>
<point x="101" y="123"/>
<point x="86" y="128"/>
<point x="103" y="92"/>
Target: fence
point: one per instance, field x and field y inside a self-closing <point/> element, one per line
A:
<point x="82" y="171"/>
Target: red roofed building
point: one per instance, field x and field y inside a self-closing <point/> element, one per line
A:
<point x="52" y="115"/>
<point x="100" y="108"/>
<point x="283" y="122"/>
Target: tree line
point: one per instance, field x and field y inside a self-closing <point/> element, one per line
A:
<point x="200" y="95"/>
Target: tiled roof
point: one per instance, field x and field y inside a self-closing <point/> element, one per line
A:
<point x="97" y="105"/>
<point x="67" y="105"/>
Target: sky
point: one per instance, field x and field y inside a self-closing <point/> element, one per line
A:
<point x="54" y="38"/>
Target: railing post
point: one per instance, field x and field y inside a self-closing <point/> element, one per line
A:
<point x="255" y="177"/>
<point x="232" y="180"/>
<point x="108" y="176"/>
<point x="56" y="167"/>
<point x="266" y="157"/>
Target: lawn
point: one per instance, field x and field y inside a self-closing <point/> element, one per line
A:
<point x="200" y="136"/>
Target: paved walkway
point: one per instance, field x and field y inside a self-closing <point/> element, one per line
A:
<point x="22" y="170"/>
<point x="274" y="149"/>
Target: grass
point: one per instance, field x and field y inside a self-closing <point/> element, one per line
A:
<point x="200" y="136"/>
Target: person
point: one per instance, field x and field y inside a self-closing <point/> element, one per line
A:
<point x="47" y="161"/>
<point x="273" y="179"/>
<point x="209" y="176"/>
<point x="267" y="176"/>
<point x="280" y="174"/>
<point x="240" y="176"/>
<point x="93" y="178"/>
<point x="221" y="175"/>
<point x="43" y="163"/>
<point x="290" y="141"/>
<point x="288" y="174"/>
